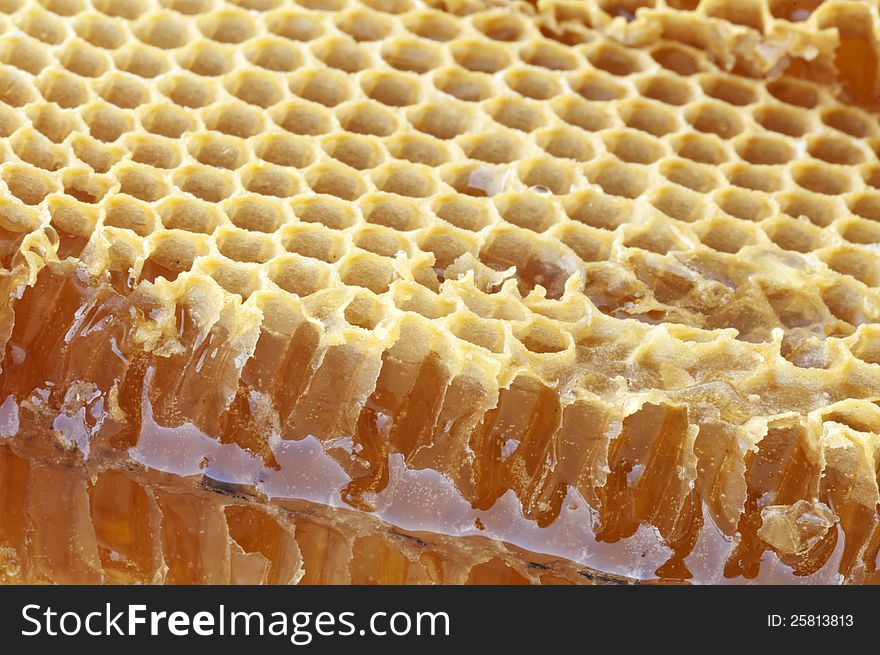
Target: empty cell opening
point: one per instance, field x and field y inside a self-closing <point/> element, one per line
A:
<point x="392" y="89"/>
<point x="418" y="149"/>
<point x="206" y="59"/>
<point x="298" y="276"/>
<point x="107" y="123"/>
<point x="678" y="59"/>
<point x="464" y="85"/>
<point x="255" y="89"/>
<point x="821" y="178"/>
<point x="767" y="150"/>
<point x="688" y="174"/>
<point x="756" y="178"/>
<point x="357" y="152"/>
<point x="189" y="215"/>
<point x="785" y="120"/>
<point x="820" y="211"/>
<point x="343" y="54"/>
<point x="26" y="55"/>
<point x="74" y="226"/>
<point x="847" y="121"/>
<point x="633" y="147"/>
<point x="168" y="121"/>
<point x="480" y="57"/>
<point x="218" y="151"/>
<point x="596" y="210"/>
<point x="729" y="89"/>
<point x="236" y="279"/>
<point x="651" y="118"/>
<point x="187" y="90"/>
<point x="28" y="185"/>
<point x="43" y="27"/>
<point x="477" y="180"/>
<point x="846" y="301"/>
<point x="701" y="148"/>
<point x="99" y="31"/>
<point x="227" y="26"/>
<point x="579" y="113"/>
<point x="528" y="211"/>
<point x="364" y="312"/>
<point x="365" y="26"/>
<point x="234" y="120"/>
<point x="586" y="242"/>
<point x="141" y="61"/>
<point x="273" y="54"/>
<point x="390" y="6"/>
<point x="367" y="271"/>
<point x="255" y="215"/>
<point x="330" y="212"/>
<point x="872" y="176"/>
<point x="395" y="213"/>
<point x="380" y="241"/>
<point x="63" y="7"/>
<point x="295" y="26"/>
<point x="547" y="175"/>
<point x="856" y="230"/>
<point x="714" y="119"/>
<point x="866" y="205"/>
<point x="367" y="118"/>
<point x="325" y="87"/>
<point x="443" y="121"/>
<point x="461" y="212"/>
<point x="614" y="59"/>
<point x="155" y="152"/>
<point x="84" y="187"/>
<point x="486" y="333"/>
<point x="743" y="204"/>
<point x="8" y="121"/>
<point x="495" y="148"/>
<point x="517" y="114"/>
<point x="835" y="150"/>
<point x="269" y="181"/>
<point x="405" y="180"/>
<point x="171" y="256"/>
<point x="856" y="263"/>
<point x="300" y="118"/>
<point x="411" y="55"/>
<point x="500" y="26"/>
<point x="63" y="89"/>
<point x="433" y="25"/>
<point x="665" y="88"/>
<point x="680" y="204"/>
<point x="793" y="234"/>
<point x="14" y="91"/>
<point x="193" y="7"/>
<point x="550" y="55"/>
<point x="165" y="31"/>
<point x="241" y="246"/>
<point x="535" y="263"/>
<point x="597" y="86"/>
<point x="123" y="91"/>
<point x="143" y="184"/>
<point x="566" y="143"/>
<point x="793" y="92"/>
<point x="124" y="213"/>
<point x="532" y="84"/>
<point x="51" y="122"/>
<point x="93" y="154"/>
<point x="38" y="151"/>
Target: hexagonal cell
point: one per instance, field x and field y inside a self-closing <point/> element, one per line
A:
<point x="218" y="150"/>
<point x="654" y="236"/>
<point x="336" y="180"/>
<point x="141" y="60"/>
<point x="596" y="86"/>
<point x="172" y="254"/>
<point x="429" y="24"/>
<point x="528" y="210"/>
<point x="761" y="149"/>
<point x="313" y="240"/>
<point x="633" y="147"/>
<point x="757" y="178"/>
<point x="327" y="211"/>
<point x="326" y="87"/>
<point x="618" y="179"/>
<point x="729" y="89"/>
<point x="367" y="271"/>
<point x="579" y="113"/>
<point x="123" y="90"/>
<point x="747" y="205"/>
<point x="418" y="148"/>
<point x="74" y="224"/>
<point x="409" y="54"/>
<point x="294" y="25"/>
<point x="821" y="178"/>
<point x="234" y="119"/>
<point x="857" y="230"/>
<point x="666" y="88"/>
<point x="566" y="143"/>
<point x="243" y="246"/>
<point x="856" y="262"/>
<point x="466" y="213"/>
<point x="614" y="59"/>
<point x="343" y="53"/>
<point x="227" y="26"/>
<point x="793" y="92"/>
<point x="680" y="204"/>
<point x="588" y="243"/>
<point x="516" y="113"/>
<point x="189" y="215"/>
<point x="549" y="54"/>
<point x="412" y="180"/>
<point x="273" y="54"/>
<point x="546" y="175"/>
<point x="689" y="174"/>
<point x="14" y="90"/>
<point x="367" y="118"/>
<point x="209" y="59"/>
<point x="391" y="88"/>
<point x="648" y="116"/>
<point x="596" y="209"/>
<point x="35" y="149"/>
<point x="167" y="120"/>
<point x="299" y="276"/>
<point x="269" y="180"/>
<point x="484" y="332"/>
<point x="820" y="210"/>
<point x="255" y="214"/>
<point x="532" y="83"/>
<point x="678" y="58"/>
<point x="785" y="120"/>
<point x="30" y="185"/>
<point x="299" y="117"/>
<point x="714" y="118"/>
<point x="42" y="26"/>
<point x="494" y="147"/>
<point x="128" y="9"/>
<point x="835" y="150"/>
<point x="866" y="205"/>
<point x="355" y="151"/>
<point x="95" y="154"/>
<point x="284" y="150"/>
<point x="25" y="54"/>
<point x="163" y="30"/>
<point x="364" y="312"/>
<point x="101" y="32"/>
<point x="391" y="211"/>
<point x="848" y="121"/>
<point x="154" y="151"/>
<point x="364" y="25"/>
<point x="447" y="244"/>
<point x="380" y="240"/>
<point x="62" y="88"/>
<point x="464" y="85"/>
<point x="255" y="87"/>
<point x="480" y="180"/>
<point x="142" y="182"/>
<point x="130" y="214"/>
<point x="798" y="235"/>
<point x="9" y="121"/>
<point x="188" y="90"/>
<point x="235" y="278"/>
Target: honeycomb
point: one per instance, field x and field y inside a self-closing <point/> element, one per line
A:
<point x="439" y="291"/>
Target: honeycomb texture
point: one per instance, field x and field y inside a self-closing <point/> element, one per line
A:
<point x="439" y="291"/>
